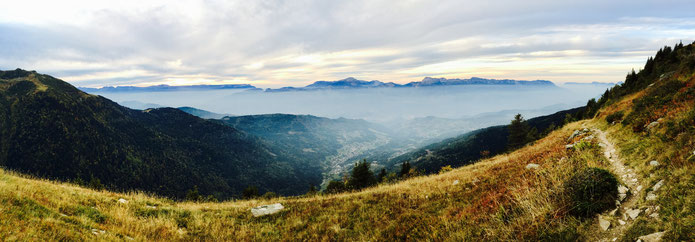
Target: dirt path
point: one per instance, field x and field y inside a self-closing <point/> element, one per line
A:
<point x="620" y="218"/>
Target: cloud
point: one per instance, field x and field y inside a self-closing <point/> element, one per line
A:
<point x="286" y="43"/>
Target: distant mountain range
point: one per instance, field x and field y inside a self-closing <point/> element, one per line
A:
<point x="347" y="83"/>
<point x="351" y="83"/>
<point x="165" y="88"/>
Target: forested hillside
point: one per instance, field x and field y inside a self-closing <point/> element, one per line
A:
<point x="53" y="130"/>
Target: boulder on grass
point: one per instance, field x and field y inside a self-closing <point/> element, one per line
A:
<point x="267" y="209"/>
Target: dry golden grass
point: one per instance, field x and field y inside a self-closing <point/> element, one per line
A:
<point x="495" y="199"/>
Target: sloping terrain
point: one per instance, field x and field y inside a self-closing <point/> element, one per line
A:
<point x="465" y="149"/>
<point x="496" y="198"/>
<point x="51" y="129"/>
<point x="326" y="146"/>
<point x="642" y="133"/>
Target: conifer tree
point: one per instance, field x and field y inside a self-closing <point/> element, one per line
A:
<point x="518" y="132"/>
<point x="405" y="169"/>
<point x="382" y="174"/>
<point x="361" y="176"/>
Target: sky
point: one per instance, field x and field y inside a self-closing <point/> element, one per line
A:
<point x="275" y="43"/>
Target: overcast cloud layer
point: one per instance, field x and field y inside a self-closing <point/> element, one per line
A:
<point x="293" y="43"/>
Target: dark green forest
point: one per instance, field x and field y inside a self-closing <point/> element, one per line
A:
<point x="51" y="129"/>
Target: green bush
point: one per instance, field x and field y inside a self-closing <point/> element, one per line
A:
<point x="614" y="117"/>
<point x="591" y="191"/>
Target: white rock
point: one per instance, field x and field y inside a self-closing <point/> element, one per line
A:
<point x="658" y="185"/>
<point x="623" y="189"/>
<point x="633" y="213"/>
<point x="569" y="146"/>
<point x="652" y="237"/>
<point x="651" y="196"/>
<point x="654" y="163"/>
<point x="603" y="223"/>
<point x="532" y="166"/>
<point x="621" y="222"/>
<point x="621" y="196"/>
<point x="639" y="188"/>
<point x="121" y="200"/>
<point x="654" y="215"/>
<point x="456" y="182"/>
<point x="652" y="125"/>
<point x="151" y="207"/>
<point x="267" y="209"/>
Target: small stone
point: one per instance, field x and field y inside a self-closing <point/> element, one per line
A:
<point x="532" y="166"/>
<point x="654" y="215"/>
<point x="639" y="188"/>
<point x="654" y="163"/>
<point x="652" y="237"/>
<point x="585" y="130"/>
<point x="633" y="213"/>
<point x="651" y="196"/>
<point x="613" y="212"/>
<point x="151" y="207"/>
<point x="569" y="146"/>
<point x="621" y="196"/>
<point x="603" y="223"/>
<point x="621" y="222"/>
<point x="267" y="209"/>
<point x="456" y="182"/>
<point x="121" y="200"/>
<point x="652" y="125"/>
<point x="658" y="185"/>
<point x="623" y="189"/>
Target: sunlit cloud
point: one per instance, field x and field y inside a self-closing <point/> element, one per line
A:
<point x="293" y="43"/>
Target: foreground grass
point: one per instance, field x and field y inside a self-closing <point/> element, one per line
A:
<point x="495" y="199"/>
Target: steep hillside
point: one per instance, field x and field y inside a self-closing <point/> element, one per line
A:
<point x="468" y="148"/>
<point x="51" y="129"/>
<point x="496" y="198"/>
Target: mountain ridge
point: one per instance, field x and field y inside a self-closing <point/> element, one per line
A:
<point x="351" y="83"/>
<point x="51" y="129"/>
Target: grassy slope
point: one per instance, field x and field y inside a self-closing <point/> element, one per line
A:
<point x="496" y="198"/>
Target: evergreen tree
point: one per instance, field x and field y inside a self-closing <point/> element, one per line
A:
<point x="380" y="177"/>
<point x="519" y="132"/>
<point x="405" y="169"/>
<point x="361" y="176"/>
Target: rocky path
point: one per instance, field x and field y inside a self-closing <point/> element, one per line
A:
<point x="613" y="224"/>
<point x="617" y="221"/>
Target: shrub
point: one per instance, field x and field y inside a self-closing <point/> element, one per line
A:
<point x="591" y="191"/>
<point x="614" y="117"/>
<point x="445" y="169"/>
<point x="335" y="187"/>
